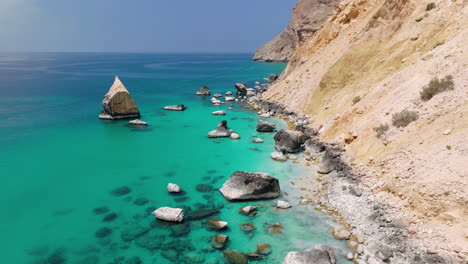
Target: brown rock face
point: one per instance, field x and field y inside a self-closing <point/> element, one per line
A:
<point x="307" y="17"/>
<point x="118" y="103"/>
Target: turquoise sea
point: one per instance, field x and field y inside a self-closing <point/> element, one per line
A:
<point x="60" y="163"/>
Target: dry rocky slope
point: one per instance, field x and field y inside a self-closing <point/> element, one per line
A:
<point x="384" y="52"/>
<point x="307" y="17"/>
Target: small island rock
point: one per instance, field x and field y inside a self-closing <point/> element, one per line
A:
<point x="241" y="88"/>
<point x="203" y="91"/>
<point x="221" y="131"/>
<point x="244" y="185"/>
<point x="118" y="103"/>
<point x="235" y="136"/>
<point x="220" y="112"/>
<point x="282" y="204"/>
<point x="219" y="241"/>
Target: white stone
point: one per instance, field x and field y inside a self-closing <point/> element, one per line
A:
<point x="229" y="98"/>
<point x="169" y="214"/>
<point x="447" y="131"/>
<point x="173" y="188"/>
<point x="138" y="122"/>
<point x="257" y="140"/>
<point x="282" y="204"/>
<point x="235" y="136"/>
<point x="265" y="115"/>
<point x="220" y="112"/>
<point x="350" y="256"/>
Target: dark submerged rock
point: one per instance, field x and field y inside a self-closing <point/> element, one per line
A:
<point x="140" y="201"/>
<point x="100" y="210"/>
<point x="244" y="185"/>
<point x="110" y="217"/>
<point x="121" y="191"/>
<point x="204" y="188"/>
<point x="133" y="232"/>
<point x="202" y="213"/>
<point x="103" y="232"/>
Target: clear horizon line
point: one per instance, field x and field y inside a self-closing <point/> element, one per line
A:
<point x="135" y="52"/>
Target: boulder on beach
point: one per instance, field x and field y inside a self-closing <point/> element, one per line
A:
<point x="118" y="103"/>
<point x="234" y="257"/>
<point x="289" y="140"/>
<point x="282" y="204"/>
<point x="319" y="255"/>
<point x="138" y="122"/>
<point x="169" y="214"/>
<point x="173" y="188"/>
<point x="220" y="112"/>
<point x="279" y="156"/>
<point x="264" y="126"/>
<point x="244" y="185"/>
<point x="203" y="91"/>
<point x="340" y="233"/>
<point x="180" y="107"/>
<point x="241" y="88"/>
<point x="221" y="131"/>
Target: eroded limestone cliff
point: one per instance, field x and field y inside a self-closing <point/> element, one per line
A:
<point x="370" y="61"/>
<point x="307" y="17"/>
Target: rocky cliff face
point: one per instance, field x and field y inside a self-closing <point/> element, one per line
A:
<point x="367" y="63"/>
<point x="308" y="16"/>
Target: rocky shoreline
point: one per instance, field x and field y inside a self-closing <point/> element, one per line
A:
<point x="378" y="232"/>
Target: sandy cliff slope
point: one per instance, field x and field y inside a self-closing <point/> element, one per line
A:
<point x="307" y="17"/>
<point x="384" y="52"/>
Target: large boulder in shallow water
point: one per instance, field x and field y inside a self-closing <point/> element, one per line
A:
<point x="241" y="88"/>
<point x="289" y="140"/>
<point x="169" y="214"/>
<point x="204" y="91"/>
<point x="244" y="185"/>
<point x="221" y="131"/>
<point x="118" y="103"/>
<point x="180" y="107"/>
<point x="264" y="126"/>
<point x="319" y="255"/>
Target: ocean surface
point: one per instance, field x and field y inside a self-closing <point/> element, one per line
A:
<point x="61" y="165"/>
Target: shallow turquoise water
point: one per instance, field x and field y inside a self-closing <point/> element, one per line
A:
<point x="59" y="161"/>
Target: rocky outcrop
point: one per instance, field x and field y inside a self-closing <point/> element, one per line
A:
<point x="289" y="140"/>
<point x="173" y="188"/>
<point x="244" y="185"/>
<point x="169" y="214"/>
<point x="264" y="126"/>
<point x="221" y="131"/>
<point x="318" y="255"/>
<point x="203" y="91"/>
<point x="241" y="88"/>
<point x="308" y="16"/>
<point x="118" y="103"/>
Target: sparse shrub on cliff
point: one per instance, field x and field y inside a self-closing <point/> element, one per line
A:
<point x="403" y="118"/>
<point x="356" y="99"/>
<point x="437" y="86"/>
<point x="440" y="43"/>
<point x="430" y="6"/>
<point x="381" y="129"/>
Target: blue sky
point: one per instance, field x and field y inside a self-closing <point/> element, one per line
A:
<point x="141" y="25"/>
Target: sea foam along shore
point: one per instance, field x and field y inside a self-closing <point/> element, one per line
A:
<point x="380" y="229"/>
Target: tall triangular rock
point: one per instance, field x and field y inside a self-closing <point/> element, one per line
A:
<point x="118" y="103"/>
